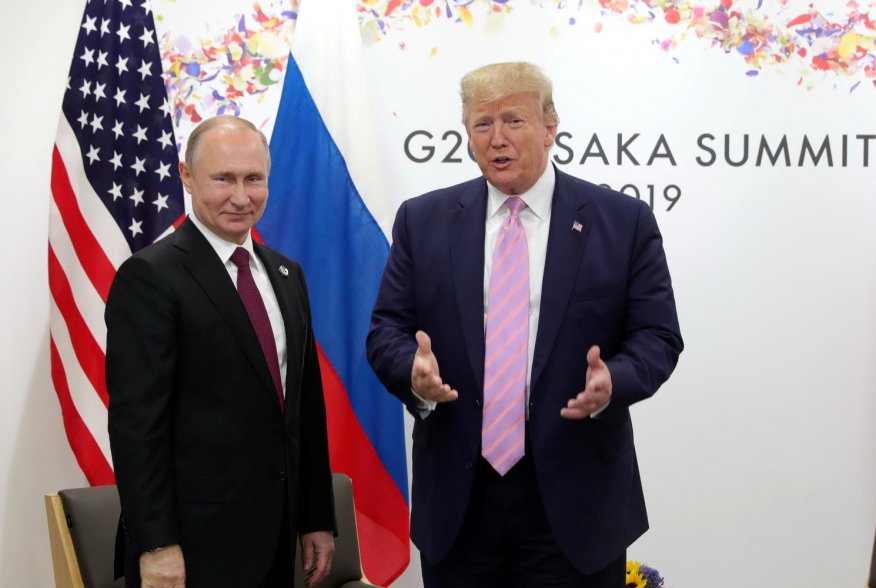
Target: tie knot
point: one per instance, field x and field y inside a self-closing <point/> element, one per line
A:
<point x="240" y="258"/>
<point x="515" y="205"/>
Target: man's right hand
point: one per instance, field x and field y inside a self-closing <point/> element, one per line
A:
<point x="164" y="568"/>
<point x="425" y="378"/>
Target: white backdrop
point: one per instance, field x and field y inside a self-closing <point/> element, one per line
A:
<point x="758" y="455"/>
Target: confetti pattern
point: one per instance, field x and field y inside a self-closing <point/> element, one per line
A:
<point x="379" y="17"/>
<point x="814" y="41"/>
<point x="212" y="76"/>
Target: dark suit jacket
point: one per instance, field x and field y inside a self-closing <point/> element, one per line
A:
<point x="606" y="284"/>
<point x="203" y="456"/>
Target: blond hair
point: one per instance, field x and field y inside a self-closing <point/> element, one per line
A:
<point x="500" y="80"/>
<point x="223" y="120"/>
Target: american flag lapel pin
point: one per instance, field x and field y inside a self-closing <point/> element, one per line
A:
<point x="283" y="271"/>
<point x="576" y="226"/>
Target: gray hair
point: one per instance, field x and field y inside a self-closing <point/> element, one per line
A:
<point x="223" y="120"/>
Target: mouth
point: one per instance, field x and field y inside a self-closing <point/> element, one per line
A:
<point x="501" y="162"/>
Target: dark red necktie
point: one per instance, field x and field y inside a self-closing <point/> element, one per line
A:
<point x="258" y="316"/>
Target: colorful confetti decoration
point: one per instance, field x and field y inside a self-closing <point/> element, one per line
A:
<point x="769" y="34"/>
<point x="211" y="76"/>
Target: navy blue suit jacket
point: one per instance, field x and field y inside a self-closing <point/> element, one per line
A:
<point x="606" y="284"/>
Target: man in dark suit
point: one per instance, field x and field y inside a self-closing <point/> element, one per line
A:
<point x="216" y="418"/>
<point x="548" y="304"/>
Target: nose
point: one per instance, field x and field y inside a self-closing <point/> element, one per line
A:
<point x="497" y="138"/>
<point x="239" y="196"/>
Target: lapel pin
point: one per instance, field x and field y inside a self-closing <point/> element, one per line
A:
<point x="576" y="226"/>
<point x="283" y="271"/>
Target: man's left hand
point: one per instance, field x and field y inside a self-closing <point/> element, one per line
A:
<point x="597" y="389"/>
<point x="317" y="549"/>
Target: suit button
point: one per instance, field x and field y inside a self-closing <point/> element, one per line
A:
<point x="281" y="476"/>
<point x="468" y="464"/>
<point x="477" y="403"/>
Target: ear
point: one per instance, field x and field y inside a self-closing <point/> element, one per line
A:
<point x="550" y="133"/>
<point x="186" y="176"/>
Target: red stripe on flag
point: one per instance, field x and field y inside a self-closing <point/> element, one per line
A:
<point x="91" y="459"/>
<point x="381" y="510"/>
<point x="89" y="354"/>
<point x="94" y="261"/>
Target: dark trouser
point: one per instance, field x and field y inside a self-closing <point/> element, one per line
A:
<point x="506" y="541"/>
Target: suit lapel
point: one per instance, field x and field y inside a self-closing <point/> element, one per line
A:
<point x="208" y="272"/>
<point x="570" y="224"/>
<point x="467" y="229"/>
<point x="283" y="282"/>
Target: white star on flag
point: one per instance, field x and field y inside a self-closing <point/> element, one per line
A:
<point x="88" y="56"/>
<point x="137" y="196"/>
<point x="135" y="227"/>
<point x="93" y="154"/>
<point x="88" y="25"/>
<point x="140" y="135"/>
<point x="96" y="123"/>
<point x="143" y="102"/>
<point x="116" y="191"/>
<point x="123" y="33"/>
<point x="163" y="171"/>
<point x="139" y="166"/>
<point x="160" y="202"/>
<point x="145" y="70"/>
<point x="146" y="37"/>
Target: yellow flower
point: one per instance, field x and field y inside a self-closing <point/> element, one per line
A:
<point x="634" y="578"/>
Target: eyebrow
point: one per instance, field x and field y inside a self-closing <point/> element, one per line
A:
<point x="228" y="172"/>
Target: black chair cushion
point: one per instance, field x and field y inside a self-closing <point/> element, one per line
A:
<point x="93" y="517"/>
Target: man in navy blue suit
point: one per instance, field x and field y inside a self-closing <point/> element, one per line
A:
<point x="560" y="500"/>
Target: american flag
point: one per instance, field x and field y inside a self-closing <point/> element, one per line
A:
<point x="115" y="189"/>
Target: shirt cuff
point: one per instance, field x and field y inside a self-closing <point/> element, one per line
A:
<point x="424" y="407"/>
<point x="595" y="415"/>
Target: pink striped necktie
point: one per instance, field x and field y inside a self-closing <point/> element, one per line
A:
<point x="502" y="435"/>
<point x="258" y="316"/>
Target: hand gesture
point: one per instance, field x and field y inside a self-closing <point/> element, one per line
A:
<point x="425" y="378"/>
<point x="597" y="389"/>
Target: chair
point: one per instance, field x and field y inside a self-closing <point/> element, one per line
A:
<point x="346" y="566"/>
<point x="82" y="530"/>
<point x="872" y="582"/>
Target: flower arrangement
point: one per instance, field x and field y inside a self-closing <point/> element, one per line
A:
<point x="641" y="576"/>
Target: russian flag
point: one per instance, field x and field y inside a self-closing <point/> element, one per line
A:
<point x="326" y="210"/>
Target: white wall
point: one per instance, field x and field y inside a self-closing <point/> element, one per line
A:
<point x="34" y="456"/>
<point x="757" y="457"/>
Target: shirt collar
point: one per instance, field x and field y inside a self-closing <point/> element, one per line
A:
<point x="223" y="248"/>
<point x="537" y="198"/>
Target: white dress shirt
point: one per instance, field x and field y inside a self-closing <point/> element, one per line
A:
<point x="224" y="249"/>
